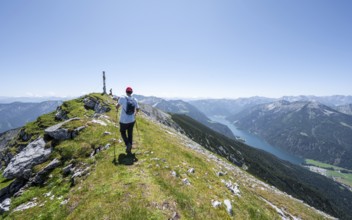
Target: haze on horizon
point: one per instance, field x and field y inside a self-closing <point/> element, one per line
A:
<point x="188" y="49"/>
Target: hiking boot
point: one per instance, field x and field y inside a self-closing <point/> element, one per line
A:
<point x="128" y="149"/>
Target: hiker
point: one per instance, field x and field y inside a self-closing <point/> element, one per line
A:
<point x="130" y="108"/>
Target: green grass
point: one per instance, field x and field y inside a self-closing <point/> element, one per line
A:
<point x="4" y="182"/>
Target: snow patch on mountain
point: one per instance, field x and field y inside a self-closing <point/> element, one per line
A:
<point x="346" y="125"/>
<point x="304" y="134"/>
<point x="328" y="112"/>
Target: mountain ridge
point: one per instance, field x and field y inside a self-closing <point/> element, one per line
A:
<point x="309" y="129"/>
<point x="182" y="107"/>
<point x="17" y="114"/>
<point x="80" y="179"/>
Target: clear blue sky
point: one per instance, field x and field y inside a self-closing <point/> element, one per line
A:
<point x="176" y="48"/>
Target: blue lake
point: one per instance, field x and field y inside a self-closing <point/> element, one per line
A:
<point x="257" y="142"/>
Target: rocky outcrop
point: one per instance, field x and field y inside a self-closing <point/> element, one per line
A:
<point x="96" y="105"/>
<point x="228" y="207"/>
<point x="33" y="154"/>
<point x="5" y="205"/>
<point x="5" y="138"/>
<point x="39" y="178"/>
<point x="9" y="191"/>
<point x="61" y="114"/>
<point x="58" y="133"/>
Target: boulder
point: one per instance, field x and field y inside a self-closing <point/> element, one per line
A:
<point x="59" y="133"/>
<point x="60" y="114"/>
<point x="228" y="207"/>
<point x="5" y="205"/>
<point x="215" y="203"/>
<point x="96" y="105"/>
<point x="34" y="153"/>
<point x="9" y="191"/>
<point x="40" y="176"/>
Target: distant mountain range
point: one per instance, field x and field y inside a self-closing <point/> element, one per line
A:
<point x="17" y="114"/>
<point x="227" y="107"/>
<point x="335" y="100"/>
<point x="347" y="109"/>
<point x="8" y="100"/>
<point x="182" y="107"/>
<point x="308" y="129"/>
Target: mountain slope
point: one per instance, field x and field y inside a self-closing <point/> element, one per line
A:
<point x="312" y="188"/>
<point x="347" y="109"/>
<point x="181" y="107"/>
<point x="17" y="114"/>
<point x="307" y="129"/>
<point x="173" y="177"/>
<point x="331" y="101"/>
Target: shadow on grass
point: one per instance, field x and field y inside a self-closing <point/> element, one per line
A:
<point x="125" y="159"/>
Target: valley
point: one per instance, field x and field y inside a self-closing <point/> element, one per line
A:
<point x="338" y="174"/>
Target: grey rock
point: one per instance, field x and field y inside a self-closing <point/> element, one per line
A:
<point x="186" y="181"/>
<point x="173" y="173"/>
<point x="79" y="173"/>
<point x="5" y="205"/>
<point x="11" y="189"/>
<point x="60" y="114"/>
<point x="107" y="146"/>
<point x="25" y="206"/>
<point x="234" y="188"/>
<point x="107" y="133"/>
<point x="96" y="105"/>
<point x="102" y="108"/>
<point x="67" y="170"/>
<point x="76" y="131"/>
<point x="59" y="133"/>
<point x="215" y="203"/>
<point x="228" y="207"/>
<point x="191" y="170"/>
<point x="64" y="202"/>
<point x="33" y="154"/>
<point x="89" y="103"/>
<point x="100" y="122"/>
<point x="40" y="176"/>
<point x="175" y="216"/>
<point x="27" y="173"/>
<point x="220" y="173"/>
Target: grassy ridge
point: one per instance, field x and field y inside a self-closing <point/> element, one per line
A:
<point x="145" y="190"/>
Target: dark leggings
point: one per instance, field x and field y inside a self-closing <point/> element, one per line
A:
<point x="127" y="138"/>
